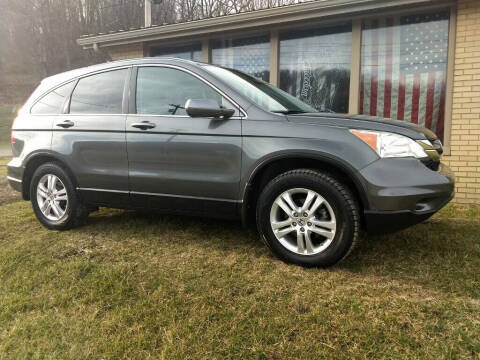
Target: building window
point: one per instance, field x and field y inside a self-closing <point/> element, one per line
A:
<point x="187" y="52"/>
<point x="248" y="54"/>
<point x="404" y="64"/>
<point x="315" y="66"/>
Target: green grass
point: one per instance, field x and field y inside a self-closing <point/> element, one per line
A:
<point x="131" y="286"/>
<point x="6" y="118"/>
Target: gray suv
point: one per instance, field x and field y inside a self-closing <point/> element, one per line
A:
<point x="192" y="138"/>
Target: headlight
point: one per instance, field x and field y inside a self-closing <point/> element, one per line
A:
<point x="388" y="145"/>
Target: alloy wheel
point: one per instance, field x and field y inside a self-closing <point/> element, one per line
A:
<point x="303" y="221"/>
<point x="52" y="197"/>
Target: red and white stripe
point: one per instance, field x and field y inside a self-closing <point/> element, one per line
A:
<point x="386" y="91"/>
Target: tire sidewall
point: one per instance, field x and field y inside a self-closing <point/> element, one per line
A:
<point x="67" y="220"/>
<point x="345" y="224"/>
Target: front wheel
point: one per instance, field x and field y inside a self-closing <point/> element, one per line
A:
<point x="308" y="218"/>
<point x="54" y="199"/>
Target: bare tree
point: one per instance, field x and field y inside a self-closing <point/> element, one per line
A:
<point x="37" y="37"/>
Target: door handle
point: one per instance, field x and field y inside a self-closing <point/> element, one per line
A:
<point x="66" y="124"/>
<point x="144" y="125"/>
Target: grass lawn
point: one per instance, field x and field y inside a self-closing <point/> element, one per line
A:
<point x="131" y="286"/>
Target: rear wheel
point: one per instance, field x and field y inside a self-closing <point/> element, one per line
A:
<point x="54" y="199"/>
<point x="308" y="218"/>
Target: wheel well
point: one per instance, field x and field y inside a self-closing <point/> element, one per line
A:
<point x="33" y="165"/>
<point x="277" y="167"/>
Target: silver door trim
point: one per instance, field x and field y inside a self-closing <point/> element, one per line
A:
<point x="103" y="190"/>
<point x="160" y="194"/>
<point x="186" y="196"/>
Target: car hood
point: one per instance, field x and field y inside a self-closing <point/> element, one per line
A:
<point x="365" y="122"/>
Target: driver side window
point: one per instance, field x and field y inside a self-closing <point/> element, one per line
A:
<point x="164" y="91"/>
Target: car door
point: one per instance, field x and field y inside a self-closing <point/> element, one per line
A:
<point x="178" y="162"/>
<point x="90" y="137"/>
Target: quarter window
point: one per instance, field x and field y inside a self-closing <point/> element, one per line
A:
<point x="164" y="91"/>
<point x="99" y="94"/>
<point x="53" y="102"/>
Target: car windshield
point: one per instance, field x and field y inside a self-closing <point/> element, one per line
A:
<point x="263" y="94"/>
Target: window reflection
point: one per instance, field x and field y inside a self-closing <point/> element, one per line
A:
<point x="99" y="94"/>
<point x="164" y="91"/>
<point x="53" y="102"/>
<point x="188" y="52"/>
<point x="315" y="66"/>
<point x="250" y="55"/>
<point x="404" y="63"/>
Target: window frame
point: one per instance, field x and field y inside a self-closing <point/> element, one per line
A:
<point x="124" y="93"/>
<point x="132" y="99"/>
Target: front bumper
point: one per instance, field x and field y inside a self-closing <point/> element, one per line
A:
<point x="404" y="192"/>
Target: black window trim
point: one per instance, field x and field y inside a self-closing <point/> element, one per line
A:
<point x="66" y="106"/>
<point x="132" y="108"/>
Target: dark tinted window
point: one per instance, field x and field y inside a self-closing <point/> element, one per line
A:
<point x="52" y="103"/>
<point x="164" y="91"/>
<point x="99" y="94"/>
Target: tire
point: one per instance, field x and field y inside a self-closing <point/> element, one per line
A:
<point x="70" y="211"/>
<point x="330" y="221"/>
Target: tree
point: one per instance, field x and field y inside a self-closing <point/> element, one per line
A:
<point x="38" y="37"/>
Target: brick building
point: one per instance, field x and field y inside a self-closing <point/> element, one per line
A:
<point x="410" y="60"/>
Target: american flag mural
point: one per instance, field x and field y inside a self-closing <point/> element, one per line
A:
<point x="404" y="62"/>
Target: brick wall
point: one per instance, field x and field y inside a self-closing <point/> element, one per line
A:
<point x="128" y="51"/>
<point x="464" y="158"/>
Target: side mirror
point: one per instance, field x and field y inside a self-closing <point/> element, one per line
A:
<point x="207" y="108"/>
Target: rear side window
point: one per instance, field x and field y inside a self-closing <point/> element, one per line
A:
<point x="52" y="103"/>
<point x="99" y="94"/>
<point x="164" y="91"/>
